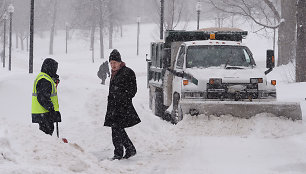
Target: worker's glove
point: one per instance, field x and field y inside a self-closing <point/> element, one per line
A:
<point x="56" y="79"/>
<point x="52" y="115"/>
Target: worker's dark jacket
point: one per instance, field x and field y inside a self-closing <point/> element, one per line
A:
<point x="44" y="89"/>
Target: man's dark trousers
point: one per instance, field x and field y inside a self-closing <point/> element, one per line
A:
<point x="120" y="140"/>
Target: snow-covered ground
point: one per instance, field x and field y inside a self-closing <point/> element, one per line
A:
<point x="216" y="145"/>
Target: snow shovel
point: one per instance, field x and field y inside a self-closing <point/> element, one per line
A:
<point x="57" y="133"/>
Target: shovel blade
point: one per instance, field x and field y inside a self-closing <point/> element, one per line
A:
<point x="64" y="140"/>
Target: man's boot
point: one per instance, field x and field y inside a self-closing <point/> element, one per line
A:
<point x="129" y="153"/>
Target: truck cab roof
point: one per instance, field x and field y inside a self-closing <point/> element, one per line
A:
<point x="211" y="34"/>
<point x="213" y="42"/>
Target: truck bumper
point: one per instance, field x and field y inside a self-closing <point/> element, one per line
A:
<point x="242" y="109"/>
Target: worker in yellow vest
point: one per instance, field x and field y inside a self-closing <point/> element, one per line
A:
<point x="45" y="107"/>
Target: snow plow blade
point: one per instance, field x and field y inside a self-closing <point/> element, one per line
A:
<point x="291" y="110"/>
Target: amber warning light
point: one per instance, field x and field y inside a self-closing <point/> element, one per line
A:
<point x="211" y="81"/>
<point x="185" y="82"/>
<point x="212" y="36"/>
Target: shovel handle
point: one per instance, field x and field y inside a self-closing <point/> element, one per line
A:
<point x="57" y="132"/>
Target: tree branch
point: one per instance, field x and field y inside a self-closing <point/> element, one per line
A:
<point x="272" y="7"/>
<point x="244" y="12"/>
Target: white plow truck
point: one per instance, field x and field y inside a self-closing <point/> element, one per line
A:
<point x="211" y="72"/>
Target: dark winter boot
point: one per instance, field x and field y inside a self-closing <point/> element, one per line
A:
<point x="116" y="157"/>
<point x="129" y="153"/>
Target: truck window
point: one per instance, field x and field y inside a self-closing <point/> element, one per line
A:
<point x="152" y="51"/>
<point x="216" y="55"/>
<point x="159" y="54"/>
<point x="153" y="54"/>
<point x="180" y="59"/>
<point x="247" y="57"/>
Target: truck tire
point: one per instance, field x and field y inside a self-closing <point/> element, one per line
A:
<point x="157" y="102"/>
<point x="180" y="113"/>
<point x="150" y="98"/>
<point x="177" y="113"/>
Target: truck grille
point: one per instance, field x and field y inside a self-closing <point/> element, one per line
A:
<point x="232" y="91"/>
<point x="193" y="95"/>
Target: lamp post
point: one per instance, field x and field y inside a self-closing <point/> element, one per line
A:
<point x="93" y="44"/>
<point x="162" y="19"/>
<point x="31" y="37"/>
<point x="138" y="30"/>
<point x="67" y="35"/>
<point x="198" y="8"/>
<point x="10" y="9"/>
<point x="5" y="17"/>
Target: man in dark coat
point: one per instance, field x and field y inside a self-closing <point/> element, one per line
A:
<point x="103" y="71"/>
<point x="45" y="109"/>
<point x="120" y="110"/>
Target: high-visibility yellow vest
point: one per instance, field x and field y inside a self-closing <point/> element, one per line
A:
<point x="36" y="107"/>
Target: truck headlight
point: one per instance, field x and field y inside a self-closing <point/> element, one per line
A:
<point x="215" y="81"/>
<point x="256" y="80"/>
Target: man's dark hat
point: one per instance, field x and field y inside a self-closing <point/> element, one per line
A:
<point x="115" y="55"/>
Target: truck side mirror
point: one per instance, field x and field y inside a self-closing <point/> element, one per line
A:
<point x="147" y="58"/>
<point x="270" y="62"/>
<point x="166" y="57"/>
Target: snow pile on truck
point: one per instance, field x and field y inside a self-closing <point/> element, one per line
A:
<point x="210" y="71"/>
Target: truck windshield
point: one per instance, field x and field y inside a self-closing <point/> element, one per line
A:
<point x="215" y="55"/>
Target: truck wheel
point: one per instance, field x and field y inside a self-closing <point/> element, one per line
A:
<point x="150" y="98"/>
<point x="180" y="113"/>
<point x="177" y="113"/>
<point x="157" y="103"/>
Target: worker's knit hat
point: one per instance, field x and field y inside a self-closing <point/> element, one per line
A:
<point x="115" y="55"/>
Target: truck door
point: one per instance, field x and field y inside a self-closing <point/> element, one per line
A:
<point x="178" y="67"/>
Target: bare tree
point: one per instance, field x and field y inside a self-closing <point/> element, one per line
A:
<point x="111" y="24"/>
<point x="252" y="9"/>
<point x="90" y="14"/>
<point x="173" y="13"/>
<point x="301" y="42"/>
<point x="101" y="26"/>
<point x="3" y="5"/>
<point x="262" y="12"/>
<point x="20" y="24"/>
<point x="42" y="16"/>
<point x="53" y="27"/>
<point x="287" y="33"/>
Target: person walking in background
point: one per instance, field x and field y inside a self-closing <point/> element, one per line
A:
<point x="45" y="107"/>
<point x="120" y="110"/>
<point x="103" y="71"/>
